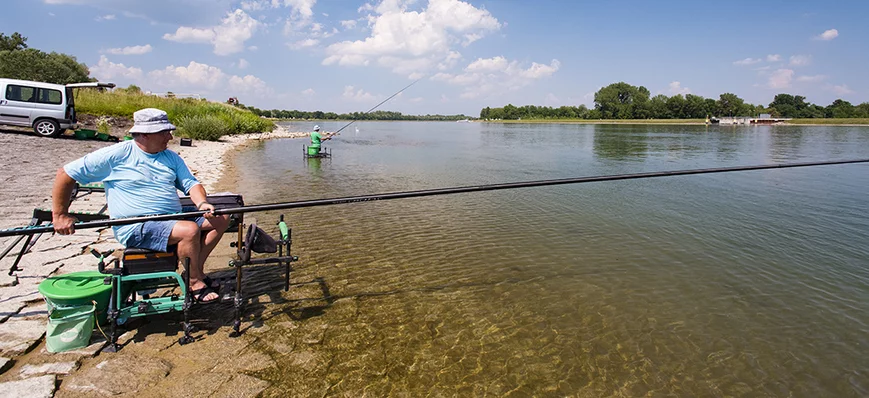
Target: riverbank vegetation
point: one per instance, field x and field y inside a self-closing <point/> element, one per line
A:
<point x="320" y="115"/>
<point x="622" y="101"/>
<point x="195" y="118"/>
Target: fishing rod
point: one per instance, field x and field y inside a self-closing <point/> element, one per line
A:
<point x="413" y="194"/>
<point x="375" y="106"/>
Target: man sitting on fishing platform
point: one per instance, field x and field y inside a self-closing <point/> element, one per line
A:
<point x="141" y="177"/>
<point x="317" y="138"/>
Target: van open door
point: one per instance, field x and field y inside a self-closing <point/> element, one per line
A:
<point x="91" y="84"/>
<point x="70" y="102"/>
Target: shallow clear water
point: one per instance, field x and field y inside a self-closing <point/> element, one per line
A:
<point x="738" y="284"/>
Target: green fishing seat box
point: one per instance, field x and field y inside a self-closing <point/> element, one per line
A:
<point x="313" y="150"/>
<point x="223" y="200"/>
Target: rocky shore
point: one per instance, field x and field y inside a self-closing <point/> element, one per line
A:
<point x="152" y="363"/>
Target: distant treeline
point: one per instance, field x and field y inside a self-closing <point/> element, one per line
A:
<point x="624" y="101"/>
<point x="319" y="115"/>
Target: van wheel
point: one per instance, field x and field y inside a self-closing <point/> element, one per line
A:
<point x="47" y="128"/>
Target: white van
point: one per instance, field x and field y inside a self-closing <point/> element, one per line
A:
<point x="48" y="108"/>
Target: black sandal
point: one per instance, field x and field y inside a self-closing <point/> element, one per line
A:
<point x="210" y="282"/>
<point x="200" y="294"/>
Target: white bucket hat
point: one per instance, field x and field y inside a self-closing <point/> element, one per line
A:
<point x="151" y="120"/>
<point x="316" y="128"/>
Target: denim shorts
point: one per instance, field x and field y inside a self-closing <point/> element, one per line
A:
<point x="154" y="235"/>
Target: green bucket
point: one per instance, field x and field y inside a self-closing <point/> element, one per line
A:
<point x="128" y="137"/>
<point x="313" y="150"/>
<point x="69" y="327"/>
<point x="84" y="134"/>
<point x="103" y="136"/>
<point x="77" y="289"/>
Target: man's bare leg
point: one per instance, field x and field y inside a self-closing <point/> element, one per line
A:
<point x="187" y="235"/>
<point x="212" y="231"/>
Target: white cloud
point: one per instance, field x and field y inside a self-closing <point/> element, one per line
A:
<point x="131" y="50"/>
<point x="840" y="89"/>
<point x="309" y="92"/>
<point x="773" y="58"/>
<point x="747" y="61"/>
<point x="227" y="38"/>
<point x="108" y="17"/>
<point x="357" y="95"/>
<point x="811" y="79"/>
<point x="413" y="41"/>
<point x="304" y="43"/>
<point x="195" y="75"/>
<point x="248" y="84"/>
<point x="800" y="60"/>
<point x="198" y="78"/>
<point x="105" y="70"/>
<point x="301" y="7"/>
<point x="781" y="78"/>
<point x="484" y="77"/>
<point x="829" y="34"/>
<point x="242" y="63"/>
<point x="348" y="24"/>
<point x="676" y="88"/>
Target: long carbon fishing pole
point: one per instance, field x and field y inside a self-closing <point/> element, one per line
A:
<point x="376" y="106"/>
<point x="415" y="194"/>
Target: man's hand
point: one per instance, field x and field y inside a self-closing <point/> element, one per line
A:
<point x="208" y="207"/>
<point x="64" y="224"/>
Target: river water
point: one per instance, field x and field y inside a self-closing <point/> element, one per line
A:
<point x="738" y="284"/>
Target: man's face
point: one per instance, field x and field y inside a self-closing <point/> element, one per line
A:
<point x="161" y="139"/>
<point x="155" y="142"/>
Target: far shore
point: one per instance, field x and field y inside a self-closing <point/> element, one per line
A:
<point x="699" y="122"/>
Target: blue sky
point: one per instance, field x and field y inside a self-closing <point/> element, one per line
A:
<point x="345" y="56"/>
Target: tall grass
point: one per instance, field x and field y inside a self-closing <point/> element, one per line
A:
<point x="198" y="119"/>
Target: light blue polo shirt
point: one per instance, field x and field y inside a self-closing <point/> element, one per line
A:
<point x="137" y="183"/>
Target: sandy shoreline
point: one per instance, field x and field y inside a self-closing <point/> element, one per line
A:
<point x="28" y="171"/>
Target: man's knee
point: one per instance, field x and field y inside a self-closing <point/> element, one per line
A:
<point x="220" y="223"/>
<point x="185" y="230"/>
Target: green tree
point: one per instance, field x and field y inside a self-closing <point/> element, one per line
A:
<point x="695" y="107"/>
<point x="32" y="64"/>
<point x="786" y="105"/>
<point x="622" y="101"/>
<point x="12" y="43"/>
<point x="677" y="107"/>
<point x="862" y="110"/>
<point x="730" y="104"/>
<point x="840" y="109"/>
<point x="658" y="107"/>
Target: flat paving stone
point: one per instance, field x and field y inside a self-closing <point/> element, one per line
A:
<point x="118" y="375"/>
<point x="5" y="364"/>
<point x="18" y="336"/>
<point x="54" y="368"/>
<point x="35" y="387"/>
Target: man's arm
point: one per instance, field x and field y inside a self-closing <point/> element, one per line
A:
<point x="198" y="196"/>
<point x="60" y="198"/>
